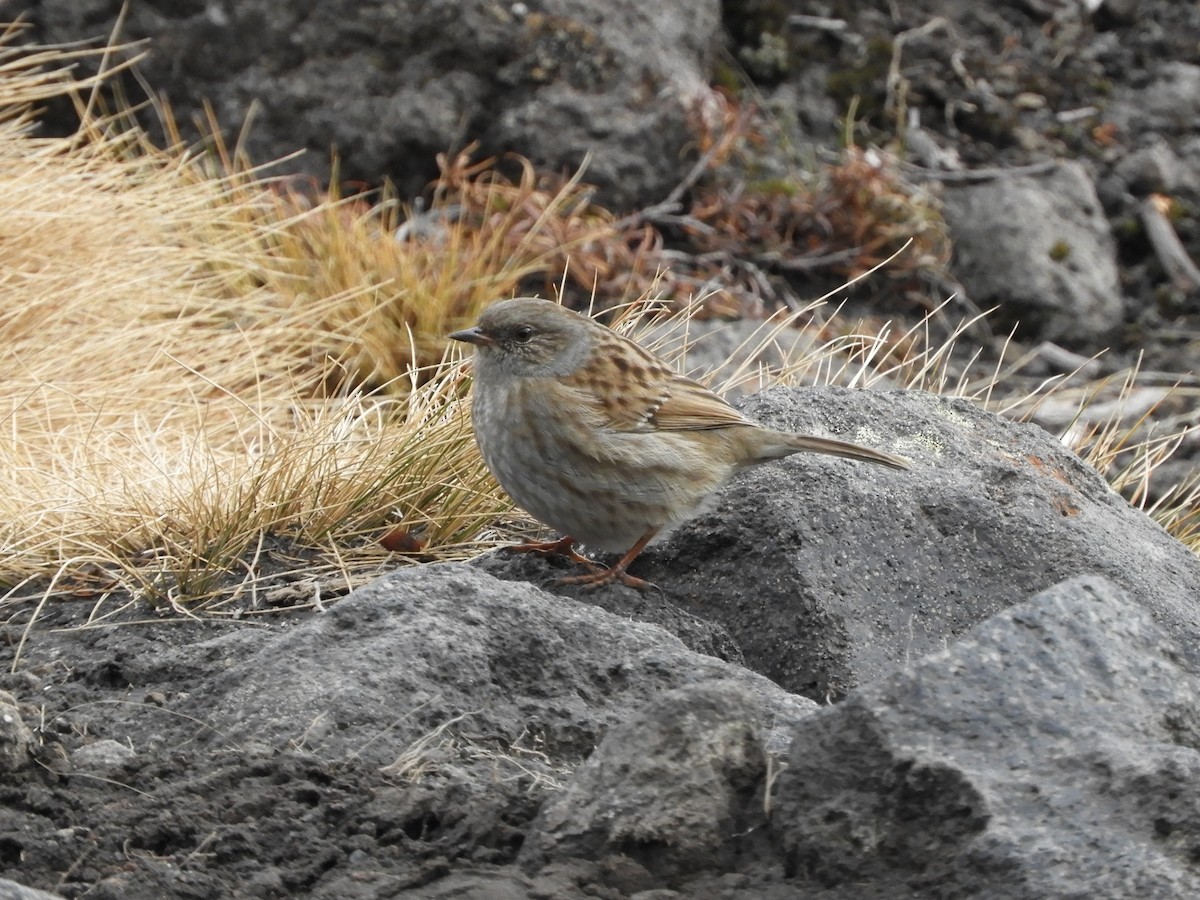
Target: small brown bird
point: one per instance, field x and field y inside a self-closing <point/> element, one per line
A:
<point x="601" y="440"/>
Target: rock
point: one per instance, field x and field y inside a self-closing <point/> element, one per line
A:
<point x="390" y="85"/>
<point x="416" y="651"/>
<point x="104" y="755"/>
<point x="1156" y="169"/>
<point x="671" y="787"/>
<point x="697" y="634"/>
<point x="1040" y="249"/>
<point x="10" y="890"/>
<point x="829" y="573"/>
<point x="15" y="737"/>
<point x="1123" y="11"/>
<point x="1168" y="105"/>
<point x="476" y="697"/>
<point x="1051" y="754"/>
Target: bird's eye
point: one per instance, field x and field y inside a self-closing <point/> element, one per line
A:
<point x="523" y="334"/>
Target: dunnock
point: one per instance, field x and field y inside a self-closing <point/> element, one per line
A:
<point x="603" y="441"/>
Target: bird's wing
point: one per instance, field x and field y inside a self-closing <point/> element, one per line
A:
<point x="634" y="391"/>
<point x="692" y="407"/>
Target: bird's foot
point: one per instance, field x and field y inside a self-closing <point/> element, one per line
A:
<point x="618" y="572"/>
<point x="562" y="547"/>
<point x="602" y="577"/>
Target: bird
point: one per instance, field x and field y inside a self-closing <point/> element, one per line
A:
<point x="606" y="443"/>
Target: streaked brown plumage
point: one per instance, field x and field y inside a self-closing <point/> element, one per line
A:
<point x="600" y="439"/>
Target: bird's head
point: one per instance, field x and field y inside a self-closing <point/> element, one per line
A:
<point x="529" y="338"/>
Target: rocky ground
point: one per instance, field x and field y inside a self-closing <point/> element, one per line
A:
<point x="974" y="679"/>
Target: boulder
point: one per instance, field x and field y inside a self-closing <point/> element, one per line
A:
<point x="389" y="85"/>
<point x="1040" y="249"/>
<point x="1053" y="753"/>
<point x="448" y="646"/>
<point x="671" y="787"/>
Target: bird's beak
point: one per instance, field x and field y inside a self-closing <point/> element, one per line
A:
<point x="474" y="336"/>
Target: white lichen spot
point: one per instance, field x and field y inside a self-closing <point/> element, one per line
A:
<point x="924" y="441"/>
<point x="954" y="416"/>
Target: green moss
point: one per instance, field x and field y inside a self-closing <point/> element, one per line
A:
<point x="1060" y="251"/>
<point x="728" y="77"/>
<point x="775" y="187"/>
<point x="1128" y="228"/>
<point x="1178" y="211"/>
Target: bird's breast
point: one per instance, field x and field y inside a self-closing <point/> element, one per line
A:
<point x="603" y="487"/>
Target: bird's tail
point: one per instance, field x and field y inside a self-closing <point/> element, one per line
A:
<point x="787" y="444"/>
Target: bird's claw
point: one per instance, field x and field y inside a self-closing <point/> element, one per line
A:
<point x="602" y="577"/>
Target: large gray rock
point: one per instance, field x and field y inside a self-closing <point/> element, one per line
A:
<point x="829" y="573"/>
<point x="1054" y="753"/>
<point x="1169" y="104"/>
<point x="392" y="83"/>
<point x="352" y="753"/>
<point x="1041" y="250"/>
<point x="670" y="787"/>
<point x="407" y="654"/>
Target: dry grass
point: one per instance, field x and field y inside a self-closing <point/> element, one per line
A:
<point x="195" y="360"/>
<point x="444" y="754"/>
<point x="391" y="271"/>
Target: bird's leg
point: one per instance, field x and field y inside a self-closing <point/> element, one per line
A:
<point x="564" y="546"/>
<point x="617" y="572"/>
